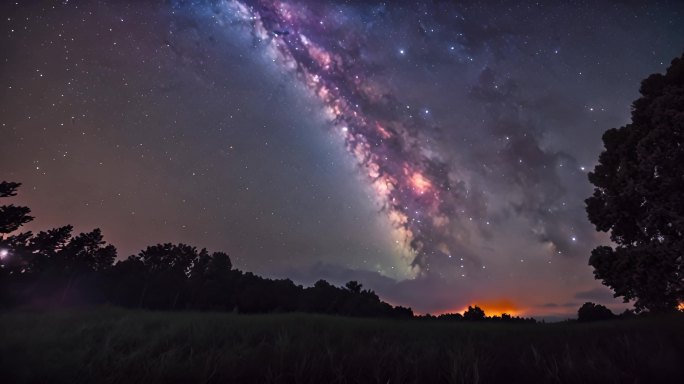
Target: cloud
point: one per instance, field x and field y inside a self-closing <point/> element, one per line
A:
<point x="601" y="294"/>
<point x="516" y="163"/>
<point x="561" y="305"/>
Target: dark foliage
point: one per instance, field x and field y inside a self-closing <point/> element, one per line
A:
<point x="594" y="312"/>
<point x="638" y="197"/>
<point x="11" y="217"/>
<point x="80" y="271"/>
<point x="57" y="268"/>
<point x="474" y="313"/>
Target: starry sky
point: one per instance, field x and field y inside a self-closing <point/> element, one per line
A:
<point x="435" y="151"/>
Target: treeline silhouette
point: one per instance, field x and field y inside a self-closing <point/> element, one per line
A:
<point x="53" y="268"/>
<point x="56" y="268"/>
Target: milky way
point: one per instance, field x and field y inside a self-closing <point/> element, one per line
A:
<point x="417" y="189"/>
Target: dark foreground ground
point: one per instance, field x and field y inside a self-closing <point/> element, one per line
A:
<point x="110" y="345"/>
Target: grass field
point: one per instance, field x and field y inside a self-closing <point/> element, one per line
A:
<point x="110" y="345"/>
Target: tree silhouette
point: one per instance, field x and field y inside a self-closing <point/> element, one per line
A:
<point x="354" y="286"/>
<point x="220" y="263"/>
<point x="11" y="216"/>
<point x="128" y="282"/>
<point x="82" y="258"/>
<point x="12" y="247"/>
<point x="593" y="312"/>
<point x="638" y="197"/>
<point x="474" y="313"/>
<point x="169" y="266"/>
<point x="45" y="247"/>
<point x="88" y="252"/>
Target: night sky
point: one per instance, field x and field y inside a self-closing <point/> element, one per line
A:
<point x="436" y="151"/>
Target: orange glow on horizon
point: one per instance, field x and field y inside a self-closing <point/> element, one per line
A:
<point x="495" y="307"/>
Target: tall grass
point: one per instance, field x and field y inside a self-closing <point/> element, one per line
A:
<point x="110" y="345"/>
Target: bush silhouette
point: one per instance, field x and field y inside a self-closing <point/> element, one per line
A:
<point x="594" y="312"/>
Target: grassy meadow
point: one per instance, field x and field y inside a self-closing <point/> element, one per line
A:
<point x="111" y="345"/>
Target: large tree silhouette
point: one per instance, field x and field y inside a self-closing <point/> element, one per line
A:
<point x="639" y="197"/>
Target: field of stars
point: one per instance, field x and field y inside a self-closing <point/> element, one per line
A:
<point x="436" y="152"/>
